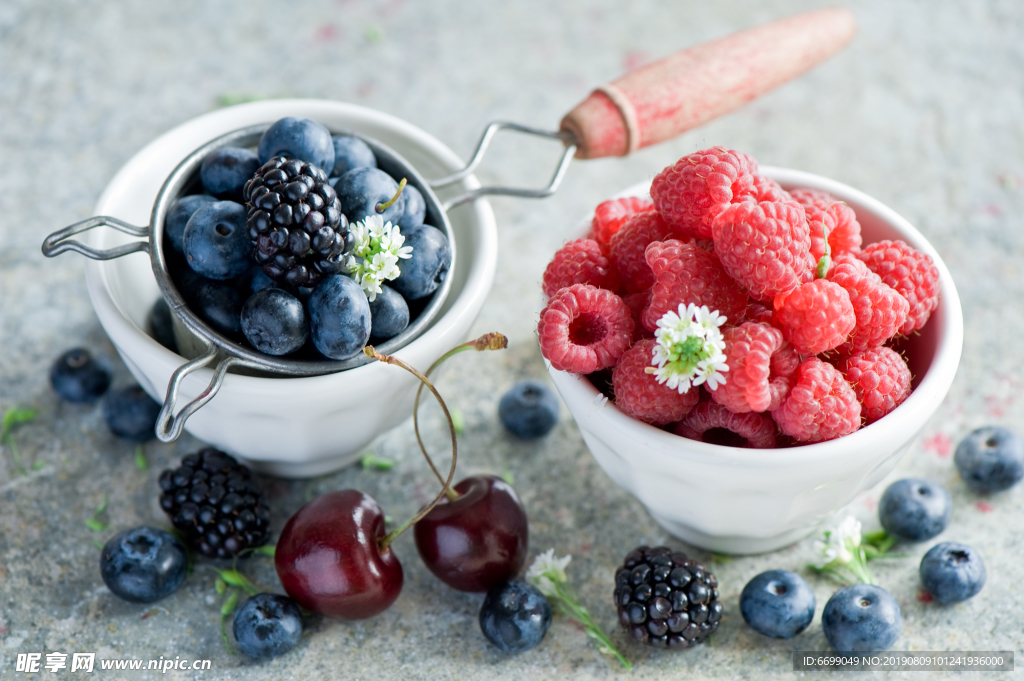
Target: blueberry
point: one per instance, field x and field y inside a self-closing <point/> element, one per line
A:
<point x="339" y="317"/>
<point x="514" y="616"/>
<point x="914" y="509"/>
<point x="952" y="572"/>
<point x="861" y="618"/>
<point x="267" y="625"/>
<point x="225" y="171"/>
<point x="990" y="459"/>
<point x="415" y="208"/>
<point x="220" y="306"/>
<point x="274" y="322"/>
<point x="161" y="324"/>
<point x="261" y="281"/>
<point x="777" y="603"/>
<point x="389" y="314"/>
<point x="143" y="565"/>
<point x="179" y="214"/>
<point x="429" y="264"/>
<point x="529" y="410"/>
<point x="130" y="413"/>
<point x="299" y="138"/>
<point x="351" y="152"/>
<point x="77" y="377"/>
<point x="360" y="191"/>
<point x="216" y="241"/>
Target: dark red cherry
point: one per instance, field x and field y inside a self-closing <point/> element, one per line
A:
<point x="329" y="559"/>
<point x="477" y="540"/>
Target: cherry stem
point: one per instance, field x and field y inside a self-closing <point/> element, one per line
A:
<point x="381" y="207"/>
<point x="391" y="536"/>
<point x="488" y="341"/>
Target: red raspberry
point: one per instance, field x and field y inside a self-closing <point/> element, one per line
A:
<point x="609" y="216"/>
<point x="627" y="247"/>
<point x="815" y="317"/>
<point x="580" y="262"/>
<point x="767" y="189"/>
<point x="821" y="406"/>
<point x="685" y="273"/>
<point x="838" y="218"/>
<point x="765" y="246"/>
<point x="640" y="395"/>
<point x="749" y="383"/>
<point x="694" y="190"/>
<point x="910" y="272"/>
<point x="751" y="430"/>
<point x="757" y="312"/>
<point x="880" y="378"/>
<point x="880" y="309"/>
<point x="637" y="303"/>
<point x="584" y="329"/>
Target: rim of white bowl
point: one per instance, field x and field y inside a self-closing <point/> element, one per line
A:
<point x="221" y="121"/>
<point x="926" y="397"/>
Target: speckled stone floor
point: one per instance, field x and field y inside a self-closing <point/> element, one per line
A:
<point x="923" y="111"/>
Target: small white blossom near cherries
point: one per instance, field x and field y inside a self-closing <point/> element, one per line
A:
<point x="375" y="255"/>
<point x="689" y="349"/>
<point x="840" y="543"/>
<point x="547" y="571"/>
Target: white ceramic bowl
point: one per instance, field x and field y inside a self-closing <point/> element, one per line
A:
<point x="733" y="500"/>
<point x="293" y="427"/>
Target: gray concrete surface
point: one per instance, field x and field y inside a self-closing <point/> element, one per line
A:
<point x="923" y="111"/>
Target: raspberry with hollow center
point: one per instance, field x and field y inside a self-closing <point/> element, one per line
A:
<point x="880" y="378"/>
<point x="765" y="247"/>
<point x="684" y="274"/>
<point x="690" y="193"/>
<point x="580" y="262"/>
<point x="640" y="395"/>
<point x="584" y="329"/>
<point x="629" y="244"/>
<point x="751" y="385"/>
<point x="821" y="406"/>
<point x="816" y="317"/>
<point x="879" y="309"/>
<point x="609" y="216"/>
<point x="838" y="218"/>
<point x="910" y="272"/>
<point x="713" y="423"/>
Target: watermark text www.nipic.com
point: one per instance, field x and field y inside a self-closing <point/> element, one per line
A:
<point x="32" y="663"/>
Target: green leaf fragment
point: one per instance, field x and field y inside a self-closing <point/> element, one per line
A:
<point x="140" y="459"/>
<point x="458" y="420"/>
<point x="95" y="525"/>
<point x="371" y="460"/>
<point x="220" y="586"/>
<point x="103" y="505"/>
<point x="38" y="464"/>
<point x="229" y="604"/>
<point x="13" y="417"/>
<point x="266" y="550"/>
<point x="507" y="476"/>
<point x="236" y="578"/>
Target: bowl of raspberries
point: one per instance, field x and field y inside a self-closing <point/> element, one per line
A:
<point x="746" y="348"/>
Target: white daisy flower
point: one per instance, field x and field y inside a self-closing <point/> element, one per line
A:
<point x="374" y="258"/>
<point x="690" y="349"/>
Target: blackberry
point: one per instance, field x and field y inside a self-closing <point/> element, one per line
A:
<point x="666" y="599"/>
<point x="295" y="222"/>
<point x="214" y="501"/>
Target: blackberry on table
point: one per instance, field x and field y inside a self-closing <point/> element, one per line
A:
<point x="295" y="222"/>
<point x="215" y="502"/>
<point x="666" y="599"/>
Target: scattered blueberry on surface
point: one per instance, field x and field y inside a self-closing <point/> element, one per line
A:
<point x="339" y="317"/>
<point x="990" y="459"/>
<point x="77" y="376"/>
<point x="428" y="266"/>
<point x="131" y="414"/>
<point x="389" y="314"/>
<point x="914" y="509"/>
<point x="515" y="616"/>
<point x="529" y="410"/>
<point x="180" y="213"/>
<point x="952" y="572"/>
<point x="216" y="241"/>
<point x="350" y="153"/>
<point x="267" y="625"/>
<point x="161" y="324"/>
<point x="143" y="565"/>
<point x="299" y="138"/>
<point x="415" y="208"/>
<point x="220" y="305"/>
<point x="777" y="603"/>
<point x="225" y="171"/>
<point x="861" y="618"/>
<point x="360" y="191"/>
<point x="274" y="321"/>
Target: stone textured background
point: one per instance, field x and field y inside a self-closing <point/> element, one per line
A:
<point x="923" y="110"/>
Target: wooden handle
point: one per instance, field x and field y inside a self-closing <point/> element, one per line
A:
<point x="683" y="90"/>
